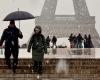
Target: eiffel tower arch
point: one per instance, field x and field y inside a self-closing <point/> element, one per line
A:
<point x="64" y="25"/>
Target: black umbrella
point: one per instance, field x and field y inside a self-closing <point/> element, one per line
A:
<point x="19" y="15"/>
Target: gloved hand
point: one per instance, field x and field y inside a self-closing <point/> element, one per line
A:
<point x="28" y="50"/>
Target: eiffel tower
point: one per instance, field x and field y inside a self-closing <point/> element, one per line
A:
<point x="64" y="25"/>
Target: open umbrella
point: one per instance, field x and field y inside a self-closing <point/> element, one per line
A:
<point x="19" y="15"/>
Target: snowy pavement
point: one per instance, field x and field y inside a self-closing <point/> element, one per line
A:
<point x="62" y="53"/>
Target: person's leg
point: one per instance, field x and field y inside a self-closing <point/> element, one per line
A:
<point x="80" y="45"/>
<point x="35" y="66"/>
<point x="15" y="58"/>
<point x="52" y="45"/>
<point x="40" y="67"/>
<point x="7" y="56"/>
<point x="55" y="44"/>
<point x="15" y="53"/>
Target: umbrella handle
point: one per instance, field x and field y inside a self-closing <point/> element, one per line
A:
<point x="19" y="20"/>
<point x="19" y="24"/>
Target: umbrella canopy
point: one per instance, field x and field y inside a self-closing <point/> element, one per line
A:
<point x="18" y="15"/>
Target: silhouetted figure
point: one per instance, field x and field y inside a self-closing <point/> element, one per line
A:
<point x="10" y="36"/>
<point x="74" y="41"/>
<point x="54" y="40"/>
<point x="85" y="41"/>
<point x="71" y="40"/>
<point x="38" y="45"/>
<point x="89" y="41"/>
<point x="79" y="41"/>
<point x="48" y="41"/>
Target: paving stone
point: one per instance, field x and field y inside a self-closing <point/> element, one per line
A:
<point x="78" y="69"/>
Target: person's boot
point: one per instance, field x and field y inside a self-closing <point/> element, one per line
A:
<point x="40" y="70"/>
<point x="9" y="65"/>
<point x="14" y="70"/>
<point x="35" y="69"/>
<point x="14" y="67"/>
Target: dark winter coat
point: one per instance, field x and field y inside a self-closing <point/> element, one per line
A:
<point x="79" y="39"/>
<point x="48" y="41"/>
<point x="38" y="44"/>
<point x="54" y="40"/>
<point x="89" y="43"/>
<point x="10" y="36"/>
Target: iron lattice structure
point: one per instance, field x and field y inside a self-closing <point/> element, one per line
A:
<point x="64" y="25"/>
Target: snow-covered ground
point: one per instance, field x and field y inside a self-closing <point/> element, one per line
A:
<point x="63" y="42"/>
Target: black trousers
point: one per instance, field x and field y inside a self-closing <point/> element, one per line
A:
<point x="37" y="67"/>
<point x="11" y="51"/>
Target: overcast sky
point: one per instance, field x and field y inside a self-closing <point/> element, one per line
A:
<point x="35" y="7"/>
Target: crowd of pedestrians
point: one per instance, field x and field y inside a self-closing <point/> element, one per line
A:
<point x="80" y="42"/>
<point x="53" y="41"/>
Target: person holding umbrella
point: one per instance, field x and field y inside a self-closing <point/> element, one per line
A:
<point x="38" y="44"/>
<point x="10" y="36"/>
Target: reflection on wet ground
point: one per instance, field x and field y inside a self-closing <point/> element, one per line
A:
<point x="63" y="64"/>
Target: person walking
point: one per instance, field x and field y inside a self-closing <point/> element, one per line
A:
<point x="48" y="41"/>
<point x="54" y="41"/>
<point x="74" y="41"/>
<point x="79" y="41"/>
<point x="38" y="45"/>
<point x="10" y="36"/>
<point x="89" y="41"/>
<point x="85" y="41"/>
<point x="71" y="37"/>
